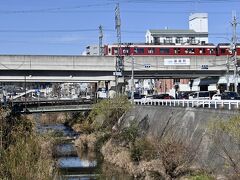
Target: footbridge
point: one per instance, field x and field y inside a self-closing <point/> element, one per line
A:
<point x="41" y="68"/>
<point x="51" y="105"/>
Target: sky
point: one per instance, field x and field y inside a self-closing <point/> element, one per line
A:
<point x="66" y="27"/>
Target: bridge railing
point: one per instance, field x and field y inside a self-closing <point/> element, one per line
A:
<point x="216" y="104"/>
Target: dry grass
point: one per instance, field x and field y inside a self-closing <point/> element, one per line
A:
<point x="25" y="155"/>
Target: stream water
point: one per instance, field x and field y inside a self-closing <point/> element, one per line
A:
<point x="76" y="165"/>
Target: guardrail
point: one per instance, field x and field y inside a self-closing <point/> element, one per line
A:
<point x="216" y="104"/>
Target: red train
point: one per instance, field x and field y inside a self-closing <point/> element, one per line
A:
<point x="171" y="50"/>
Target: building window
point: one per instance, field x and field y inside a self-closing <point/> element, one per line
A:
<point x="192" y="40"/>
<point x="179" y="40"/>
<point x="176" y="80"/>
<point x="156" y="40"/>
<point x="164" y="50"/>
<point x="168" y="40"/>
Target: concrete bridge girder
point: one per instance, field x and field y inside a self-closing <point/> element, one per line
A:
<point x="100" y="68"/>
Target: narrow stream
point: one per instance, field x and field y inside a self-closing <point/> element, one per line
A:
<point x="75" y="165"/>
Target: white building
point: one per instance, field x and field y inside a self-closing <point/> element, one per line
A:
<point x="196" y="34"/>
<point x="92" y="50"/>
<point x="198" y="22"/>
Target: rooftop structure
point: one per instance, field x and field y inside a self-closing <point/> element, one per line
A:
<point x="196" y="34"/>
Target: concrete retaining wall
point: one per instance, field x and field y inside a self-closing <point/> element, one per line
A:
<point x="189" y="124"/>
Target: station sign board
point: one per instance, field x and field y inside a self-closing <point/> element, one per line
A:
<point x="176" y="61"/>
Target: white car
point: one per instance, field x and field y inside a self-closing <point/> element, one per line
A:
<point x="217" y="97"/>
<point x="146" y="99"/>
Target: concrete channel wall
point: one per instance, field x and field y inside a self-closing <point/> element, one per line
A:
<point x="187" y="118"/>
<point x="188" y="124"/>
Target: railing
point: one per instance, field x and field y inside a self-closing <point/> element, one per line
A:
<point x="216" y="104"/>
<point x="83" y="107"/>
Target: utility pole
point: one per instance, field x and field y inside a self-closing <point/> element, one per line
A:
<point x="119" y="60"/>
<point x="132" y="82"/>
<point x="227" y="76"/>
<point x="25" y="89"/>
<point x="100" y="41"/>
<point x="1" y="129"/>
<point x="234" y="50"/>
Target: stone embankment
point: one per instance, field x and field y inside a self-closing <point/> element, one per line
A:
<point x="188" y="128"/>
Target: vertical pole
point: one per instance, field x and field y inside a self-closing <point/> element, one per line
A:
<point x="1" y="130"/>
<point x="100" y="41"/>
<point x="25" y="88"/>
<point x="119" y="60"/>
<point x="132" y="82"/>
<point x="227" y="73"/>
<point x="234" y="44"/>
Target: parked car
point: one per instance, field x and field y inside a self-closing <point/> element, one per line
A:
<point x="183" y="94"/>
<point x="163" y="96"/>
<point x="146" y="99"/>
<point x="101" y="93"/>
<point x="201" y="95"/>
<point x="217" y="97"/>
<point x="228" y="95"/>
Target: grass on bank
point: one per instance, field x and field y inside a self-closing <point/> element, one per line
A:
<point x="24" y="154"/>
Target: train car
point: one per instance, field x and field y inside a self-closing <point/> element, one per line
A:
<point x="161" y="50"/>
<point x="225" y="49"/>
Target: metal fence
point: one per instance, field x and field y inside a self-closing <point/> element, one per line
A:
<point x="214" y="104"/>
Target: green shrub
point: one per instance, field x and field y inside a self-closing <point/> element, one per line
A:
<point x="110" y="110"/>
<point x="136" y="153"/>
<point x="143" y="149"/>
<point x="129" y="134"/>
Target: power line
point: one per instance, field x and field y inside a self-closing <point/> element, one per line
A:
<point x="179" y="1"/>
<point x="105" y="11"/>
<point x="52" y="9"/>
<point x="88" y="30"/>
<point x="46" y="30"/>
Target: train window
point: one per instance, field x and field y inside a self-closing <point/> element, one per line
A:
<point x="202" y="51"/>
<point x="151" y="50"/>
<point x="115" y="51"/>
<point x="139" y="50"/>
<point x="223" y="51"/>
<point x="211" y="51"/>
<point x="190" y="51"/>
<point x="164" y="50"/>
<point x="177" y="50"/>
<point x="126" y="51"/>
